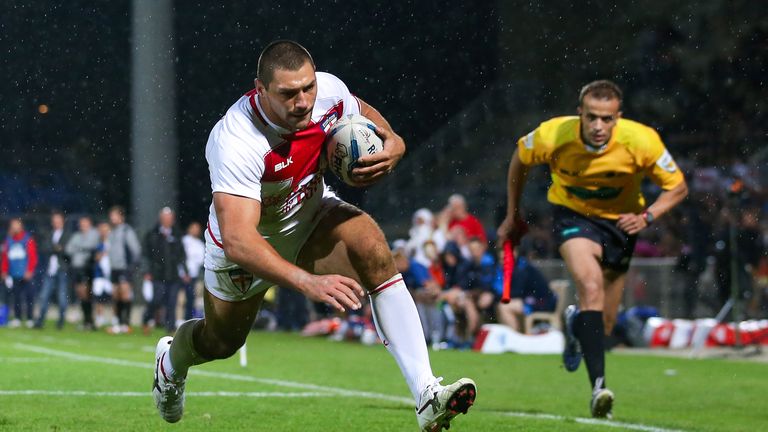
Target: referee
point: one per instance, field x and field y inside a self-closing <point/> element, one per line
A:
<point x="598" y="161"/>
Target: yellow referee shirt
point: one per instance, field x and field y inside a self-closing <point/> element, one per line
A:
<point x="602" y="183"/>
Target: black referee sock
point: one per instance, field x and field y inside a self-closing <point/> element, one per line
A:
<point x="119" y="307"/>
<point x="87" y="307"/>
<point x="127" y="312"/>
<point x="590" y="331"/>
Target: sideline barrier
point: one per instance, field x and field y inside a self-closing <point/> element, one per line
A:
<point x="497" y="339"/>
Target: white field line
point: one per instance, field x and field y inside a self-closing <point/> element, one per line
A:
<point x="147" y="394"/>
<point x="211" y="374"/>
<point x="590" y="421"/>
<point x="24" y="359"/>
<point x="324" y="389"/>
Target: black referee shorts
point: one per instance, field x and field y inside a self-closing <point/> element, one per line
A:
<point x="618" y="246"/>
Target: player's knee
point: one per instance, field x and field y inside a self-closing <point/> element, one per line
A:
<point x="374" y="252"/>
<point x="224" y="349"/>
<point x="220" y="346"/>
<point x="591" y="292"/>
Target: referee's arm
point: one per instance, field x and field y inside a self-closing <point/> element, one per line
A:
<point x="516" y="177"/>
<point x="633" y="223"/>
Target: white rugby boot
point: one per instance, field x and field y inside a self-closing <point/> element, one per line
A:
<point x="438" y="404"/>
<point x="169" y="395"/>
<point x="601" y="404"/>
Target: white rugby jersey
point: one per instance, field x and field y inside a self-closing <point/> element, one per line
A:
<point x="250" y="156"/>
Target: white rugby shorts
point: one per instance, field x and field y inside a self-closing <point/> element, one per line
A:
<point x="235" y="284"/>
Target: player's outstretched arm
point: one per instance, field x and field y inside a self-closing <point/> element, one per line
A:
<point x="374" y="167"/>
<point x="243" y="244"/>
<point x="511" y="228"/>
<point x="633" y="223"/>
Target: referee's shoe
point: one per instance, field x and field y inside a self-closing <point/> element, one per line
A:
<point x="601" y="404"/>
<point x="572" y="351"/>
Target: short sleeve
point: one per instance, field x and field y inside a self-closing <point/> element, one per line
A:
<point x="533" y="149"/>
<point x="339" y="90"/>
<point x="659" y="164"/>
<point x="233" y="169"/>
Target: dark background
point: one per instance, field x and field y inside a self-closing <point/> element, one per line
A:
<point x="695" y="72"/>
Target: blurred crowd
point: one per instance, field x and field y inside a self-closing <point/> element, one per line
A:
<point x="94" y="270"/>
<point x="726" y="200"/>
<point x="456" y="278"/>
<point x="448" y="259"/>
<point x="452" y="265"/>
<point x="102" y="265"/>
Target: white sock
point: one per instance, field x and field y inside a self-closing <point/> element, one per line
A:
<point x="182" y="354"/>
<point x="398" y="325"/>
<point x="167" y="367"/>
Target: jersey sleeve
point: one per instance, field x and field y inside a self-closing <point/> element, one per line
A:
<point x="233" y="169"/>
<point x="535" y="148"/>
<point x="659" y="164"/>
<point x="339" y="90"/>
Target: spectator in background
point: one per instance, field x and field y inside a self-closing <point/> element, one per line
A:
<point x="473" y="282"/>
<point x="451" y="260"/>
<point x="692" y="261"/>
<point x="422" y="231"/>
<point x="56" y="278"/>
<point x="194" y="248"/>
<point x="434" y="264"/>
<point x="102" y="285"/>
<point x="291" y="309"/>
<point x="165" y="266"/>
<point x="426" y="294"/>
<point x="479" y="272"/>
<point x="80" y="249"/>
<point x="458" y="236"/>
<point x="530" y="293"/>
<point x="19" y="259"/>
<point x="759" y="304"/>
<point x="538" y="242"/>
<point x="477" y="277"/>
<point x="749" y="251"/>
<point x="124" y="254"/>
<point x="457" y="214"/>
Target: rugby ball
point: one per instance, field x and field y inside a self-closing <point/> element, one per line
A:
<point x="349" y="139"/>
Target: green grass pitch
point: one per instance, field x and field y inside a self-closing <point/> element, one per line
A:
<point x="73" y="381"/>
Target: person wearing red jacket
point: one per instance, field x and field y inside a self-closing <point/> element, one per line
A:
<point x="18" y="262"/>
<point x="457" y="214"/>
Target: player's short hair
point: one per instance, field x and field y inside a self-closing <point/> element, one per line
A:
<point x="601" y="89"/>
<point x="281" y="54"/>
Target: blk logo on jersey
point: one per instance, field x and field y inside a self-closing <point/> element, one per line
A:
<point x="285" y="164"/>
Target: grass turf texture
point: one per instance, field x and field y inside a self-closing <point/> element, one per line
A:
<point x="703" y="395"/>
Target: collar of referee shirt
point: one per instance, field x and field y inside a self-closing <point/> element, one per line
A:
<point x="591" y="148"/>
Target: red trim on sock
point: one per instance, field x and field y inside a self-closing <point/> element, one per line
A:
<point x="386" y="285"/>
<point x="162" y="369"/>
